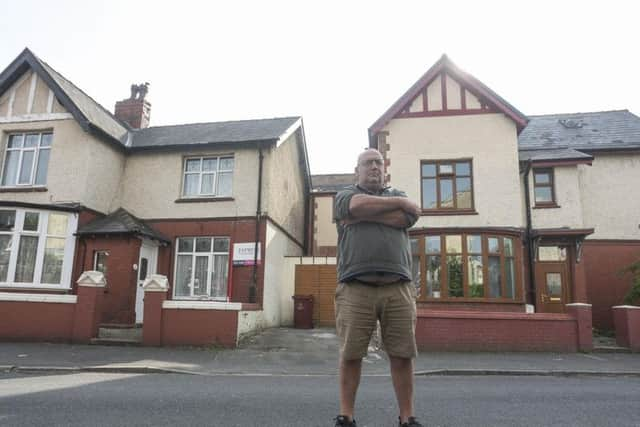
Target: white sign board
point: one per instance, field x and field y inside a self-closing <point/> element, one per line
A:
<point x="243" y="253"/>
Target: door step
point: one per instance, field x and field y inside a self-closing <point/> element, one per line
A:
<point x="610" y="349"/>
<point x="118" y="336"/>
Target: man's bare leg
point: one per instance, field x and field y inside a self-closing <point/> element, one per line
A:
<point x="350" y="371"/>
<point x="402" y="377"/>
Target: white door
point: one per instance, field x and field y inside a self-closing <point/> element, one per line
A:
<point x="146" y="265"/>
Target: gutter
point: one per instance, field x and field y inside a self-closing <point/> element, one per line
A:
<point x="529" y="238"/>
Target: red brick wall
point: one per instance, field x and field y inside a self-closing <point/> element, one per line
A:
<point x="36" y="321"/>
<point x="240" y="231"/>
<point x="482" y="331"/>
<point x="199" y="327"/>
<point x="605" y="286"/>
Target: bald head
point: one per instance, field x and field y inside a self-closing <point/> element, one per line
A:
<point x="370" y="170"/>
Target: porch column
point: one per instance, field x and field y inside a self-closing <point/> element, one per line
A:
<point x="155" y="293"/>
<point x="88" y="306"/>
<point x="626" y="320"/>
<point x="582" y="313"/>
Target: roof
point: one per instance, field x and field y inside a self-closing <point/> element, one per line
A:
<point x="121" y="222"/>
<point x="212" y="133"/>
<point x="602" y="130"/>
<point x="332" y="182"/>
<point x="557" y="154"/>
<point x="445" y="64"/>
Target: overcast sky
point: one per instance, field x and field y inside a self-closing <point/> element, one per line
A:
<point x="339" y="64"/>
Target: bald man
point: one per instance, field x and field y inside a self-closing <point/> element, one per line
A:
<point x="374" y="275"/>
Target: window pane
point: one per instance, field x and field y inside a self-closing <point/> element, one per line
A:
<point x="183" y="276"/>
<point x="432" y="244"/>
<point x="219" y="276"/>
<point x="45" y="141"/>
<point x="101" y="262"/>
<point x="433" y="276"/>
<point x="224" y="183"/>
<point x="542" y="178"/>
<point x="31" y="141"/>
<point x="494" y="245"/>
<point x="221" y="245"/>
<point x="43" y="166"/>
<point x="192" y="165"/>
<point x="463" y="168"/>
<point x="543" y="194"/>
<point x="185" y="244"/>
<point x="203" y="244"/>
<point x="454" y="276"/>
<point x="510" y="277"/>
<point x="191" y="184"/>
<point x="552" y="253"/>
<point x="226" y="164"/>
<point x="463" y="190"/>
<point x="446" y="193"/>
<point x="446" y="168"/>
<point x="508" y="246"/>
<point x="15" y="141"/>
<point x="554" y="284"/>
<point x="474" y="244"/>
<point x="495" y="278"/>
<point x="5" y="253"/>
<point x="415" y="272"/>
<point x="7" y="220"/>
<point x="454" y="244"/>
<point x="414" y="246"/>
<point x="429" y="194"/>
<point x="207" y="183"/>
<point x="144" y="268"/>
<point x="476" y="279"/>
<point x="26" y="167"/>
<point x="57" y="224"/>
<point x="26" y="259"/>
<point x="31" y="221"/>
<point x="53" y="258"/>
<point x="200" y="276"/>
<point x="428" y="170"/>
<point x="210" y="165"/>
<point x="10" y="168"/>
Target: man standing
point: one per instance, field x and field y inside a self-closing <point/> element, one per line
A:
<point x="374" y="275"/>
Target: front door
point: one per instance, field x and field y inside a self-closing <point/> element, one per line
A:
<point x="552" y="279"/>
<point x="146" y="266"/>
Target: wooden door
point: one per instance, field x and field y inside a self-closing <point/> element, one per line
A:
<point x="319" y="281"/>
<point x="552" y="279"/>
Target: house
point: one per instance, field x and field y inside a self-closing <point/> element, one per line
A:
<point x="520" y="214"/>
<point x="212" y="207"/>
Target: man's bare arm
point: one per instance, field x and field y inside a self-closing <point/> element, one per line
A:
<point x="366" y="206"/>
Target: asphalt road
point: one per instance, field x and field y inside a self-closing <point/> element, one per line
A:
<point x="90" y="399"/>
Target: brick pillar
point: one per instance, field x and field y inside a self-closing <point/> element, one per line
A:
<point x="626" y="320"/>
<point x="88" y="306"/>
<point x="582" y="314"/>
<point x="155" y="293"/>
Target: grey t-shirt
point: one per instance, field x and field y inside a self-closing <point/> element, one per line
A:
<point x="367" y="248"/>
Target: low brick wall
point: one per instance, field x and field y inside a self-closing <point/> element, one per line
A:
<point x="199" y="327"/>
<point x="500" y="331"/>
<point x="627" y="323"/>
<point x="36" y="321"/>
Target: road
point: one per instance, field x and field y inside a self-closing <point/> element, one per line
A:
<point x="93" y="399"/>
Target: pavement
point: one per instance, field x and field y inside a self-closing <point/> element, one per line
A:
<point x="286" y="351"/>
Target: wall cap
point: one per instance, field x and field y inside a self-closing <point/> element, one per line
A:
<point x="202" y="305"/>
<point x="156" y="283"/>
<point x="92" y="278"/>
<point x="630" y="307"/>
<point x="578" y="304"/>
<point x="52" y="298"/>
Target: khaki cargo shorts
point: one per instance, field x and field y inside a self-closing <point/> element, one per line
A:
<point x="359" y="306"/>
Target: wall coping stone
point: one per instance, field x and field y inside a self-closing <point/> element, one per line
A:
<point x="156" y="283"/>
<point x="202" y="305"/>
<point x="630" y="307"/>
<point x="578" y="304"/>
<point x="92" y="278"/>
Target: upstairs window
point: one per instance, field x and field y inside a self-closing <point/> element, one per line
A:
<point x="208" y="177"/>
<point x="544" y="187"/>
<point x="447" y="185"/>
<point x="26" y="159"/>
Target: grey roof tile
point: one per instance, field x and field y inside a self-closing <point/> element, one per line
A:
<point x="553" y="154"/>
<point x="121" y="222"/>
<point x="332" y="182"/>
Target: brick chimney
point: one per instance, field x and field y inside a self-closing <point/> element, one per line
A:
<point x="136" y="110"/>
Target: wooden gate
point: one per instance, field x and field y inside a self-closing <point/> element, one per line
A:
<point x="319" y="281"/>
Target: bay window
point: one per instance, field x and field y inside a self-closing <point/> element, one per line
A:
<point x="202" y="268"/>
<point x="470" y="266"/>
<point x="36" y="248"/>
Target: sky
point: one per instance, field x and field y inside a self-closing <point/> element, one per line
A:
<point x="338" y="64"/>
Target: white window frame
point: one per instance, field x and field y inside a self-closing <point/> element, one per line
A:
<point x="201" y="173"/>
<point x="210" y="268"/>
<point x="95" y="257"/>
<point x="34" y="166"/>
<point x="43" y="222"/>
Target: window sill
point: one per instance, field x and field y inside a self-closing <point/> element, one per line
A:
<point x="22" y="189"/>
<point x="204" y="199"/>
<point x="429" y="212"/>
<point x="546" y="206"/>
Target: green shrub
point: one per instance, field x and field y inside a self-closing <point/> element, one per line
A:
<point x="633" y="296"/>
